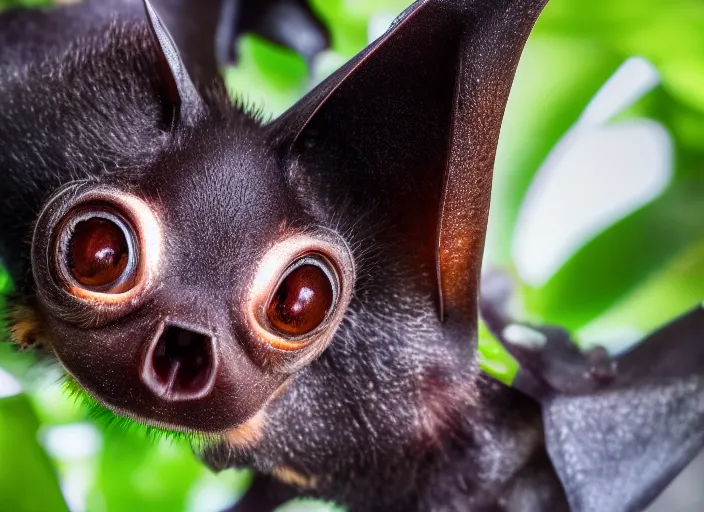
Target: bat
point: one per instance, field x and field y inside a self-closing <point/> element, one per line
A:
<point x="304" y="293"/>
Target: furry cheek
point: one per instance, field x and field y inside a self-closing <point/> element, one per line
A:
<point x="294" y="478"/>
<point x="249" y="434"/>
<point x="25" y="327"/>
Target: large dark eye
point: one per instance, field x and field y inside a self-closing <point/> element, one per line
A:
<point x="97" y="250"/>
<point x="303" y="299"/>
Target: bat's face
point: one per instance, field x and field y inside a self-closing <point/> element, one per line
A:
<point x="187" y="296"/>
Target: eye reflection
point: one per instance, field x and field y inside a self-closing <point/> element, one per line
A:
<point x="302" y="301"/>
<point x="98" y="252"/>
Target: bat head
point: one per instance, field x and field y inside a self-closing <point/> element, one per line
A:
<point x="306" y="287"/>
<point x="169" y="295"/>
<point x="187" y="292"/>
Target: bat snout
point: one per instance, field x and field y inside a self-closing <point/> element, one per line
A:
<point x="180" y="364"/>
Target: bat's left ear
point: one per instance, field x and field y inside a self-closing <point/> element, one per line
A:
<point x="182" y="94"/>
<point x="406" y="133"/>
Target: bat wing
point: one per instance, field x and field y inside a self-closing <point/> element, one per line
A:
<point x="618" y="430"/>
<point x="207" y="32"/>
<point x="289" y="23"/>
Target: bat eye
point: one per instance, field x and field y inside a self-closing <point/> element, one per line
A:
<point x="96" y="251"/>
<point x="298" y="299"/>
<point x="304" y="297"/>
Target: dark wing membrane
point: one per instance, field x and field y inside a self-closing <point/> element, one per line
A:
<point x="618" y="448"/>
<point x="617" y="430"/>
<point x="289" y="23"/>
<point x="207" y="31"/>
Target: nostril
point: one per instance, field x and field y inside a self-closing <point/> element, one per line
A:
<point x="180" y="364"/>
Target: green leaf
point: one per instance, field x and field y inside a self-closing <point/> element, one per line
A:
<point x="5" y="281"/>
<point x="555" y="81"/>
<point x="28" y="481"/>
<point x="613" y="264"/>
<point x="618" y="259"/>
<point x="5" y="4"/>
<point x="669" y="34"/>
<point x="136" y="473"/>
<point x="494" y="359"/>
<point x="348" y="27"/>
<point x="268" y="77"/>
<point x="664" y="296"/>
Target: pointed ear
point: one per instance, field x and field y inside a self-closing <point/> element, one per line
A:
<point x="180" y="89"/>
<point x="407" y="132"/>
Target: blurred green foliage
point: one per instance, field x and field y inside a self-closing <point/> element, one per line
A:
<point x="6" y="4"/>
<point x="640" y="271"/>
<point x="27" y="479"/>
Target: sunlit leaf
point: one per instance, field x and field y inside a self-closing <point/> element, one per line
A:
<point x="555" y="81"/>
<point x="136" y="473"/>
<point x="28" y="480"/>
<point x="618" y="260"/>
<point x="669" y="34"/>
<point x="675" y="288"/>
<point x="494" y="359"/>
<point x="268" y="78"/>
<point x="348" y="27"/>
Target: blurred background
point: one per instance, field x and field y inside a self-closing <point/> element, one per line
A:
<point x="597" y="210"/>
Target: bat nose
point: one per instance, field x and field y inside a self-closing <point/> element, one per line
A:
<point x="180" y="363"/>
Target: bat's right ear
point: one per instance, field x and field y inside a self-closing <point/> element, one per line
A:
<point x="406" y="133"/>
<point x="181" y="92"/>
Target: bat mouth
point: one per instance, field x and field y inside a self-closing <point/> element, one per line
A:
<point x="180" y="364"/>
